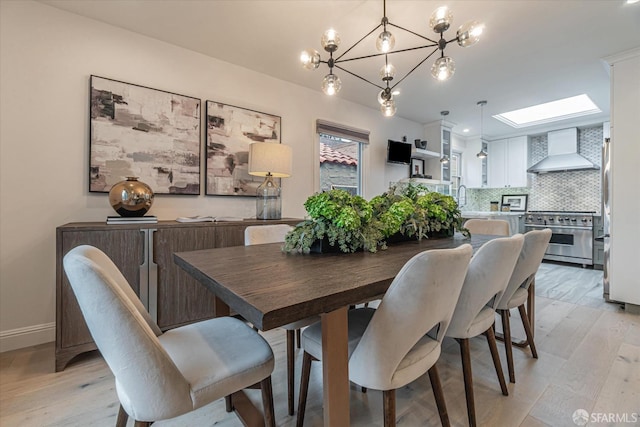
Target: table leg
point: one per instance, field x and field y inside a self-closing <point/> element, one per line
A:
<point x="335" y="368"/>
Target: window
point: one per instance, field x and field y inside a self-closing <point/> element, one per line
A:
<point x="340" y="156"/>
<point x="339" y="164"/>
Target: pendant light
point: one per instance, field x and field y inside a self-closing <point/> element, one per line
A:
<point x="445" y="158"/>
<point x="482" y="154"/>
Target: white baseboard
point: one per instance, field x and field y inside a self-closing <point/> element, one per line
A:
<point x="26" y="337"/>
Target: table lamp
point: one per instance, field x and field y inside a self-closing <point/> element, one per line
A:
<point x="271" y="160"/>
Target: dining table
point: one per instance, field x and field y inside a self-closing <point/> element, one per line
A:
<point x="271" y="288"/>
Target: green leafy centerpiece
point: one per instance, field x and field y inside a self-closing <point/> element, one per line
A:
<point x="350" y="223"/>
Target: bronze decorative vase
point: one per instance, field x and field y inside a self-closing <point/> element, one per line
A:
<point x="131" y="197"/>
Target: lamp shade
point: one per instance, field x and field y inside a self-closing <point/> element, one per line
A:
<point x="270" y="158"/>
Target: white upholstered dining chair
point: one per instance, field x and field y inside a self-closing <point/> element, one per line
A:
<point x="487" y="277"/>
<point x="496" y="227"/>
<point x="163" y="375"/>
<point x="274" y="233"/>
<point x="524" y="273"/>
<point x="400" y="341"/>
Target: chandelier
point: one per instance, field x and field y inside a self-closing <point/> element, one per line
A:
<point x="442" y="69"/>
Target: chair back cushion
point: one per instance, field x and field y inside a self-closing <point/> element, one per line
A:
<point x="421" y="298"/>
<point x="260" y="234"/>
<point x="496" y="227"/>
<point x="487" y="277"/>
<point x="533" y="249"/>
<point x="149" y="385"/>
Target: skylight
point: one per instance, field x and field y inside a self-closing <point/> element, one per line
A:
<point x="562" y="109"/>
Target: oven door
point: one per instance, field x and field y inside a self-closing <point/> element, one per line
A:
<point x="568" y="244"/>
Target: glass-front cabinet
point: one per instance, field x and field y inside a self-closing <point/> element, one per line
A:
<point x="438" y="136"/>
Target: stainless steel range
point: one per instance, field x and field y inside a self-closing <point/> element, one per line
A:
<point x="572" y="234"/>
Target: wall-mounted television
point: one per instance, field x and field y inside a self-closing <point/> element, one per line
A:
<point x="399" y="152"/>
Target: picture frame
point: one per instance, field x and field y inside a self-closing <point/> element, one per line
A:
<point x="417" y="168"/>
<point x="148" y="133"/>
<point x="230" y="129"/>
<point x="518" y="202"/>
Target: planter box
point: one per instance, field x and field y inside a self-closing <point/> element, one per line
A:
<point x="323" y="247"/>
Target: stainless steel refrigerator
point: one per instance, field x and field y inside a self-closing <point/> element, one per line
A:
<point x="606" y="213"/>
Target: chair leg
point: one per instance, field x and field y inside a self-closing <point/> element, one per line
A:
<point x="121" y="420"/>
<point x="267" y="402"/>
<point x="304" y="388"/>
<point x="290" y="369"/>
<point x="506" y="330"/>
<point x="468" y="380"/>
<point x="298" y="338"/>
<point x="141" y="423"/>
<point x="228" y="403"/>
<point x="439" y="396"/>
<point x="389" y="403"/>
<point x="491" y="340"/>
<point x="528" y="331"/>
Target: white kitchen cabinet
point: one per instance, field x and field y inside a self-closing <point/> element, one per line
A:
<point x="438" y="136"/>
<point x="474" y="170"/>
<point x="507" y="162"/>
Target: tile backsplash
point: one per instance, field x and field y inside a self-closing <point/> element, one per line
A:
<point x="479" y="199"/>
<point x="557" y="191"/>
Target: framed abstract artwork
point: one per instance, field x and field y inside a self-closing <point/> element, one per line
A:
<point x="230" y="130"/>
<point x="147" y="133"/>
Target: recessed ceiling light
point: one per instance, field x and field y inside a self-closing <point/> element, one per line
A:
<point x="632" y="1"/>
<point x="562" y="109"/>
<point x="465" y="130"/>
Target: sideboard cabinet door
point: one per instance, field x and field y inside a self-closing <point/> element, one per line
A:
<point x="125" y="248"/>
<point x="181" y="299"/>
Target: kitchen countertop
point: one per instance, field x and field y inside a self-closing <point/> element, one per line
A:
<point x="484" y="214"/>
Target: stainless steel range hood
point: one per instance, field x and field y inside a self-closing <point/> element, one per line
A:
<point x="562" y="154"/>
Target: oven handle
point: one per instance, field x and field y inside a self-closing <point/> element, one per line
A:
<point x="571" y="227"/>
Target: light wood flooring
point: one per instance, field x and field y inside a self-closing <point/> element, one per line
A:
<point x="589" y="358"/>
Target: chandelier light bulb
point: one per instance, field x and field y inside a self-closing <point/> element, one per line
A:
<point x="469" y="33"/>
<point x="330" y="40"/>
<point x="443" y="68"/>
<point x="385" y="42"/>
<point x="388" y="108"/>
<point x="441" y="19"/>
<point x="331" y="84"/>
<point x="310" y="59"/>
<point x="387" y="72"/>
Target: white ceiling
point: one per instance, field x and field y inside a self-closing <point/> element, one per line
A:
<point x="532" y="51"/>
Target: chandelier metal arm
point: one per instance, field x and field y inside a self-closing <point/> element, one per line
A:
<point x="414" y="68"/>
<point x="412" y="32"/>
<point x="361" y="78"/>
<point x="358" y="42"/>
<point x="388" y="53"/>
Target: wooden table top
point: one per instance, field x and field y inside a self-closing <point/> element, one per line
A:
<point x="270" y="288"/>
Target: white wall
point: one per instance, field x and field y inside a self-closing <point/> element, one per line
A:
<point x="625" y="176"/>
<point x="46" y="58"/>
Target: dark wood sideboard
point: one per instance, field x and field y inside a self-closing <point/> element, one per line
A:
<point x="144" y="254"/>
